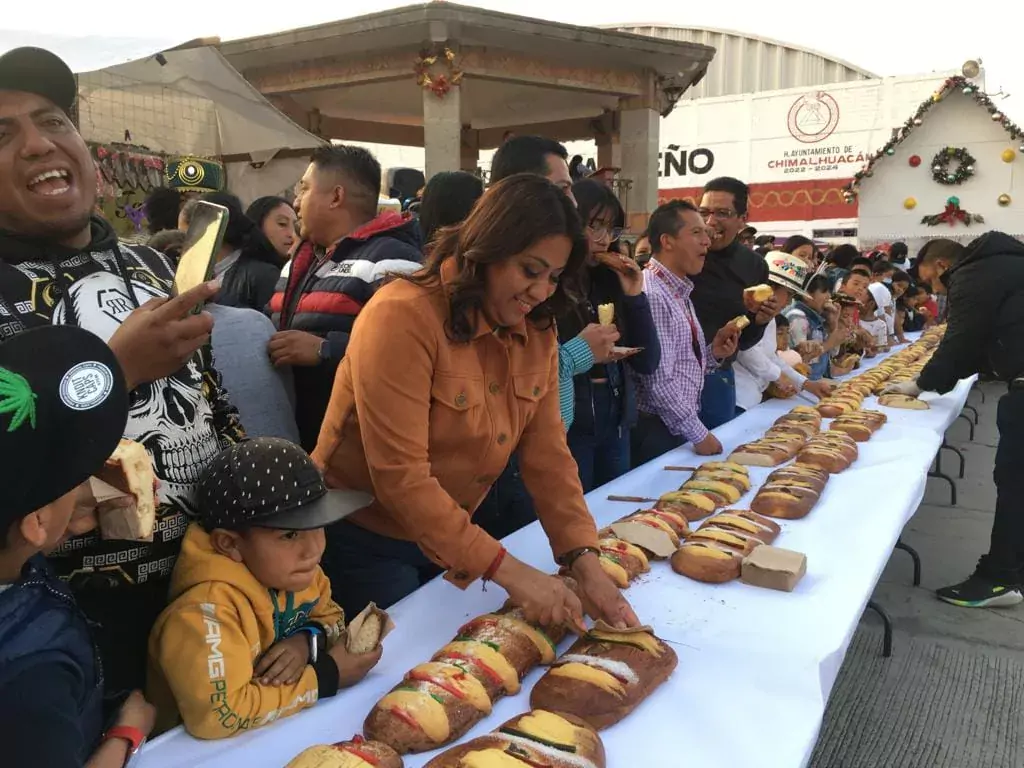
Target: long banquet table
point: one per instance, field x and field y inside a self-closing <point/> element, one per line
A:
<point x="756" y="667"/>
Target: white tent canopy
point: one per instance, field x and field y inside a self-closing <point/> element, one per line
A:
<point x="84" y="54"/>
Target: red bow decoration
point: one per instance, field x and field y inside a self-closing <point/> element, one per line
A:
<point x="952" y="214"/>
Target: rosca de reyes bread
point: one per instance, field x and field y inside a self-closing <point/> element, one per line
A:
<point x="605" y="675"/>
<point x="622" y="561"/>
<point x="714" y="554"/>
<point x="801" y="474"/>
<point x="538" y="739"/>
<point x="439" y="700"/>
<point x="760" y="292"/>
<point x="357" y="753"/>
<point x="786" y="499"/>
<point x="746" y="522"/>
<point x="764" y="452"/>
<point x="903" y="401"/>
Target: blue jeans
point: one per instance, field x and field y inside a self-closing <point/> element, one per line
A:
<point x="603" y="456"/>
<point x="718" y="400"/>
<point x="507" y="506"/>
<point x="364" y="566"/>
<point x="651" y="439"/>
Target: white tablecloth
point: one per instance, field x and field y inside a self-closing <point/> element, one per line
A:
<point x="755" y="666"/>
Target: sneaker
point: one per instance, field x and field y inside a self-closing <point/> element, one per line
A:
<point x="979" y="592"/>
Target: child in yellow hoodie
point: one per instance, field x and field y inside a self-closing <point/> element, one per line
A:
<point x="251" y="633"/>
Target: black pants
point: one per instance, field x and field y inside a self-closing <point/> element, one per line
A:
<point x="650" y="439"/>
<point x="364" y="566"/>
<point x="1004" y="562"/>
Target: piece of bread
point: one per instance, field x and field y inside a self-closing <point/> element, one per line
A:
<point x="612" y="261"/>
<point x="357" y="753"/>
<point x="724" y="466"/>
<point x="785" y="501"/>
<point x="708" y="561"/>
<point x="801" y="474"/>
<point x="439" y="701"/>
<point x="740" y="482"/>
<point x="622" y="561"/>
<point x="367" y="630"/>
<point x="859" y="431"/>
<point x="893" y="400"/>
<point x="606" y="314"/>
<point x="740" y="321"/>
<point x="829" y="459"/>
<point x="604" y="676"/>
<point x="537" y="738"/>
<point x="761" y="454"/>
<point x="761" y="292"/>
<point x="691" y="504"/>
<point x="718" y="491"/>
<point x="130" y="470"/>
<point x="747" y="522"/>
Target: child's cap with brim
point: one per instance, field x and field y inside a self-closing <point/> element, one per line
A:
<point x="268" y="482"/>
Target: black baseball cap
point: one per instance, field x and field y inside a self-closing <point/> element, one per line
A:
<point x="38" y="71"/>
<point x="268" y="482"/>
<point x="63" y="408"/>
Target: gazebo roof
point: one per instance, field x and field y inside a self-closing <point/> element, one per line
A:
<point x="518" y="70"/>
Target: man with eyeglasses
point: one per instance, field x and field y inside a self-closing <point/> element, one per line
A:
<point x="718" y="290"/>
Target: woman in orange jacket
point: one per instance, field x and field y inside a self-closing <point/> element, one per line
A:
<point x="448" y="372"/>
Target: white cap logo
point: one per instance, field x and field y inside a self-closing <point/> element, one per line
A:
<point x="86" y="386"/>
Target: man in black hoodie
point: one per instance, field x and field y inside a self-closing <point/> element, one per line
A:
<point x="62" y="265"/>
<point x="718" y="294"/>
<point x="347" y="250"/>
<point x="985" y="286"/>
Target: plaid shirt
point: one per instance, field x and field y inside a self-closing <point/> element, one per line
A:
<point x="672" y="393"/>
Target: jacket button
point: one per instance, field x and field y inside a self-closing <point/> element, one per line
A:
<point x="502" y="438"/>
<point x="460" y="399"/>
<point x="494" y="388"/>
<point x="536" y="391"/>
<point x="461" y="575"/>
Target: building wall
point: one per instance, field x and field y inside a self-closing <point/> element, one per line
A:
<point x="748" y="64"/>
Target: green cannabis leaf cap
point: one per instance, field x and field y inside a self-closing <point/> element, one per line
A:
<point x="17" y="397"/>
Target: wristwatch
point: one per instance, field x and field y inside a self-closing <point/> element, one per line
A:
<point x="132" y="735"/>
<point x="324" y="353"/>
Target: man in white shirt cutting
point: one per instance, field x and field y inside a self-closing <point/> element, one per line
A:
<point x="756" y="368"/>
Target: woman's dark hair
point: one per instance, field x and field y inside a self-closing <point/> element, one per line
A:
<point x="843" y="255"/>
<point x="447" y="199"/>
<point x="261" y="207"/>
<point x="781" y="321"/>
<point x="162" y="207"/>
<point x="575" y="170"/>
<point x="796" y="241"/>
<point x="593" y="198"/>
<point x="941" y="248"/>
<point x="241" y="232"/>
<point x="511" y="216"/>
<point x="819" y="283"/>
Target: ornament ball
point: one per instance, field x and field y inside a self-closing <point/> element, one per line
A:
<point x="915" y="160"/>
<point x="951" y="178"/>
<point x="997" y="116"/>
<point x="890" y="151"/>
<point x="918" y="121"/>
<point x="1009" y="155"/>
<point x="1004" y="200"/>
<point x="910" y="203"/>
<point x="953" y="200"/>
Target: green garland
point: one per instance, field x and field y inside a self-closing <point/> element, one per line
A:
<point x="964" y="170"/>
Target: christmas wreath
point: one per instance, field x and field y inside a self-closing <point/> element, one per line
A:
<point x="941" y="171"/>
<point x="441" y="84"/>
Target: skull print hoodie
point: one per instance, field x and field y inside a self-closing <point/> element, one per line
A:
<point x="182" y="420"/>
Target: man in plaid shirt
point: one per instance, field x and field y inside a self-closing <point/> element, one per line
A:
<point x="669" y="399"/>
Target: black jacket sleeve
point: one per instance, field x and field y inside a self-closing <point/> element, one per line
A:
<point x="975" y="295"/>
<point x="39" y="722"/>
<point x="640" y="332"/>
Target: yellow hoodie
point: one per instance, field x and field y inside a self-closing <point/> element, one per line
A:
<point x="204" y="645"/>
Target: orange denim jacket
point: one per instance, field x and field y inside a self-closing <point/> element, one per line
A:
<point x="427" y="425"/>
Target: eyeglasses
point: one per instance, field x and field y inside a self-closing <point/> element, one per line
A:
<point x="602" y="230"/>
<point x="722" y="214"/>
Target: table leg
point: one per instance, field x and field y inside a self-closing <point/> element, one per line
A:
<point x="939" y="474"/>
<point x="973" y="410"/>
<point x="886" y="628"/>
<point x="913" y="556"/>
<point x="958" y="452"/>
<point x="970" y="424"/>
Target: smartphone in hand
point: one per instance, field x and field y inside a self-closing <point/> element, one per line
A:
<point x="203" y="240"/>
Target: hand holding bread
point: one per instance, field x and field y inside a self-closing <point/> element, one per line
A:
<point x="545" y="600"/>
<point x="601" y="340"/>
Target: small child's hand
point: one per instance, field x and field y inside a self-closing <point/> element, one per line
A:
<point x="284" y="661"/>
<point x="353" y="667"/>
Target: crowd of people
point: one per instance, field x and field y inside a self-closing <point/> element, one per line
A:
<point x="369" y="400"/>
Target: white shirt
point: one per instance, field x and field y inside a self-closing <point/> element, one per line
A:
<point x="759" y="366"/>
<point x="878" y="330"/>
<point x="886" y="306"/>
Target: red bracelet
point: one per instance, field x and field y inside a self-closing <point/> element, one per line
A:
<point x="495" y="565"/>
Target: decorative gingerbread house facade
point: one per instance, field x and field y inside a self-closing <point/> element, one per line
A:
<point x="955" y="169"/>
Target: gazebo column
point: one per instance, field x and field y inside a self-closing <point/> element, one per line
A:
<point x="639" y="136"/>
<point x="442" y="131"/>
<point x="609" y="151"/>
<point x="470" y="150"/>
